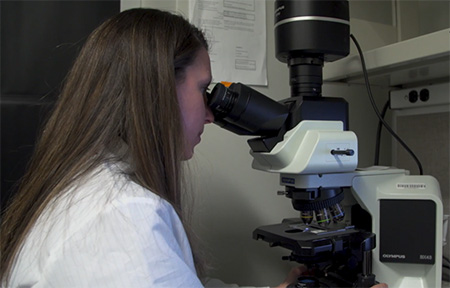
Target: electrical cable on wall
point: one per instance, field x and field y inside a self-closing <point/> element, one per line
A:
<point x="385" y="124"/>
<point x="378" y="138"/>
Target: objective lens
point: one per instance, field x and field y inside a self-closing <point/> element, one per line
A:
<point x="337" y="213"/>
<point x="307" y="216"/>
<point x="323" y="217"/>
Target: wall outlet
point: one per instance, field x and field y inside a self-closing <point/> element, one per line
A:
<point x="421" y="96"/>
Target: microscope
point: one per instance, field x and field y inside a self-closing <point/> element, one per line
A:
<point x="394" y="232"/>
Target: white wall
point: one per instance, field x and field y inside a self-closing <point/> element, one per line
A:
<point x="233" y="199"/>
<point x="417" y="18"/>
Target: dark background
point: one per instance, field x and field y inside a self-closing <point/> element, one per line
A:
<point x="39" y="42"/>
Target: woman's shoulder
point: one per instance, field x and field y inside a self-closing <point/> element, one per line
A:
<point x="106" y="183"/>
<point x="105" y="215"/>
<point x="107" y="197"/>
<point x="98" y="197"/>
<point x="109" y="187"/>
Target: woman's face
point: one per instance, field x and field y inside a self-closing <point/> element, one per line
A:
<point x="191" y="94"/>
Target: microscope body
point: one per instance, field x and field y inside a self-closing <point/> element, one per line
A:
<point x="394" y="233"/>
<point x="403" y="212"/>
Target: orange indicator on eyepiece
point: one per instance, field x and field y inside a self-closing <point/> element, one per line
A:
<point x="226" y="84"/>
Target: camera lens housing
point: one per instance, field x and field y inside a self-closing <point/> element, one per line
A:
<point x="307" y="34"/>
<point x="317" y="28"/>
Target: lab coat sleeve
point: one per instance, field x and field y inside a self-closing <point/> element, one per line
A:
<point x="137" y="242"/>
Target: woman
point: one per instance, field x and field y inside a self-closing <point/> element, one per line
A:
<point x="84" y="215"/>
<point x="101" y="203"/>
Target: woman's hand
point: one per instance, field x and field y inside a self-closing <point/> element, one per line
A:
<point x="298" y="271"/>
<point x="381" y="285"/>
<point x="293" y="275"/>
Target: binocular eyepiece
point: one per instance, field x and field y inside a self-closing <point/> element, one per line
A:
<point x="244" y="111"/>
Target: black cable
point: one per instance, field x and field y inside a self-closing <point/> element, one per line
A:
<point x="386" y="125"/>
<point x="378" y="139"/>
<point x="446" y="259"/>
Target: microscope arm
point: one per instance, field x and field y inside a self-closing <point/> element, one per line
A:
<point x="311" y="147"/>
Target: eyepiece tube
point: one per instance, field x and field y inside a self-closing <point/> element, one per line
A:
<point x="244" y="111"/>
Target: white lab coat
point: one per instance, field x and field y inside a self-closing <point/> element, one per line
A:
<point x="110" y="233"/>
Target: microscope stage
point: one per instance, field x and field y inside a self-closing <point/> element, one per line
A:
<point x="306" y="240"/>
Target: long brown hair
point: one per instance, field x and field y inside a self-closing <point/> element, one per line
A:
<point x="122" y="87"/>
